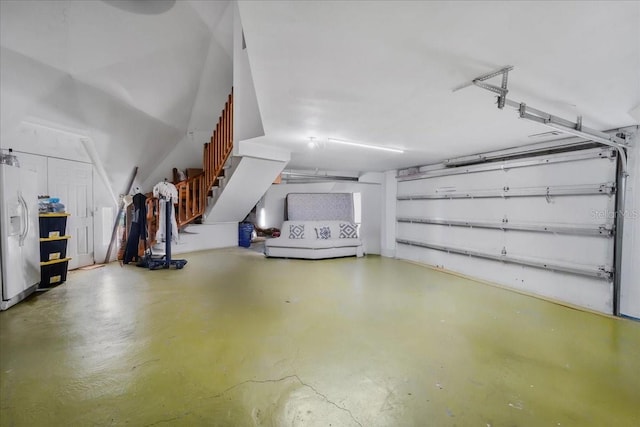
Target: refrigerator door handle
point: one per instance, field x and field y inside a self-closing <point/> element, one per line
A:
<point x="25" y="214"/>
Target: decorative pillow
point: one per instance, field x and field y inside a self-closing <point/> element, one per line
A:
<point x="296" y="231"/>
<point x="323" y="233"/>
<point x="348" y="231"/>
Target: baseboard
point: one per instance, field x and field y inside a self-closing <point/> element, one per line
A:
<point x="388" y="253"/>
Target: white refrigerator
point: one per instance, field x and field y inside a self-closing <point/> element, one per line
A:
<point x="19" y="234"/>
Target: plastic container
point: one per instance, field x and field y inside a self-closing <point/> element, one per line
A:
<point x="53" y="249"/>
<point x="53" y="274"/>
<point x="57" y="207"/>
<point x="52" y="225"/>
<point x="43" y="204"/>
<point x="244" y="234"/>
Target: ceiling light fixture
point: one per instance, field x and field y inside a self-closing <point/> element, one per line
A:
<point x="361" y="145"/>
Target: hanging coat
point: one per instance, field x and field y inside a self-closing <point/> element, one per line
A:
<point x="138" y="230"/>
<point x="167" y="193"/>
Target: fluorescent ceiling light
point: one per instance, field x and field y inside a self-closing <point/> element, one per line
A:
<point x="358" y="144"/>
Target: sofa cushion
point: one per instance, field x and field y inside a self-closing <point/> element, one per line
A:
<point x="296" y="231"/>
<point x="348" y="230"/>
<point x="323" y="232"/>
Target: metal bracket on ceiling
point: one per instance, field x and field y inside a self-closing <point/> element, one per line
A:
<point x="563" y="125"/>
<point x="501" y="90"/>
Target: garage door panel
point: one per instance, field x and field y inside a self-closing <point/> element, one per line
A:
<point x="583" y="250"/>
<point x="601" y="170"/>
<point x="486" y="240"/>
<point x="586" y="292"/>
<point x="573" y="264"/>
<point x="562" y="210"/>
<point x="575" y="249"/>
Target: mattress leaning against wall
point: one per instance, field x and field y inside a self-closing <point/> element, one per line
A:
<point x="541" y="224"/>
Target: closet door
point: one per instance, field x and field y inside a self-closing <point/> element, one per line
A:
<point x="72" y="182"/>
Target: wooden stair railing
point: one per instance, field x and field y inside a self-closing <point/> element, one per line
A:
<point x="193" y="193"/>
<point x="218" y="150"/>
<point x="191" y="199"/>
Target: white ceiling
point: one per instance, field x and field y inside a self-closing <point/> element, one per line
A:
<point x="134" y="77"/>
<point x="375" y="72"/>
<point x="382" y="72"/>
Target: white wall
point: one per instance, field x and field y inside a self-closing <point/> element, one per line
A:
<point x="389" y="194"/>
<point x="249" y="181"/>
<point x="270" y="211"/>
<point x="630" y="286"/>
<point x="247" y="121"/>
<point x="46" y="140"/>
<point x="200" y="237"/>
<point x="188" y="153"/>
<point x="261" y="150"/>
<point x="104" y="216"/>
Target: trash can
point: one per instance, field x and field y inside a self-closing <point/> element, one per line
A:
<point x="244" y="234"/>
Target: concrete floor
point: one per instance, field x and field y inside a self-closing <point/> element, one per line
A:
<point x="235" y="339"/>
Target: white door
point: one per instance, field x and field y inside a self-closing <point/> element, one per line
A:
<point x="72" y="182"/>
<point x="542" y="224"/>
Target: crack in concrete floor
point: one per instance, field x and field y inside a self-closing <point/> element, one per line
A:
<point x="168" y="420"/>
<point x="297" y="378"/>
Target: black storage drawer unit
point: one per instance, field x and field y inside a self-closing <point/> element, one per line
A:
<point x="53" y="248"/>
<point x="53" y="272"/>
<point x="53" y="224"/>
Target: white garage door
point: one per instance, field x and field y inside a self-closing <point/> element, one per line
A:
<point x="543" y="224"/>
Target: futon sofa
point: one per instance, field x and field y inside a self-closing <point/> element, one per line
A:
<point x="315" y="240"/>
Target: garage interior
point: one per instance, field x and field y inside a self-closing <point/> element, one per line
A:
<point x="491" y="150"/>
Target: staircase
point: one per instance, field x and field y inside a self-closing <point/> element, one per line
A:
<point x="226" y="189"/>
<point x="194" y="192"/>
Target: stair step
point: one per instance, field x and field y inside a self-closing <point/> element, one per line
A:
<point x="222" y="181"/>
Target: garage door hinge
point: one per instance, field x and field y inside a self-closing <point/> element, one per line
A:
<point x="605" y="272"/>
<point x="606" y="229"/>
<point x="608" y="188"/>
